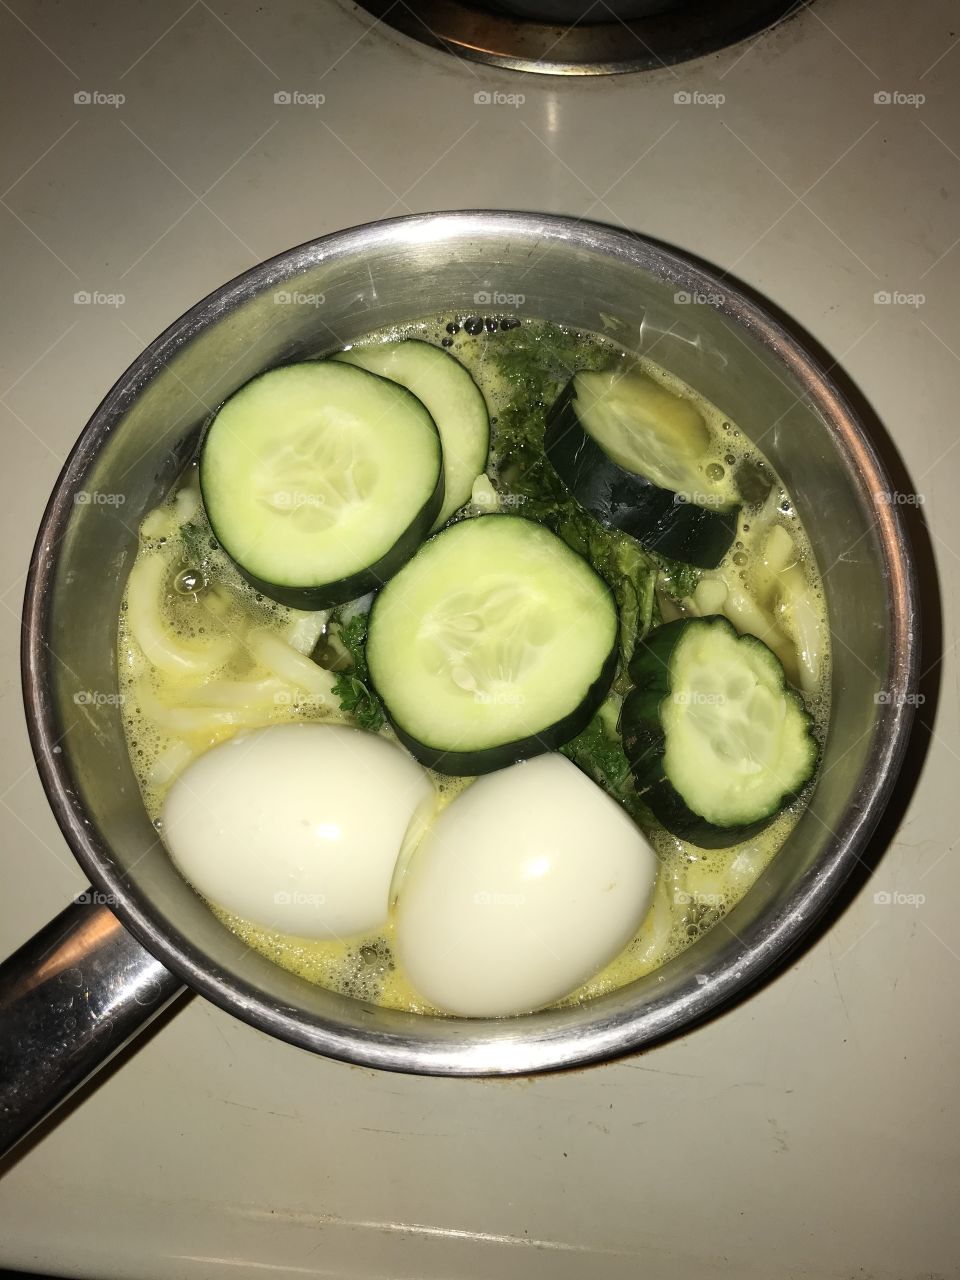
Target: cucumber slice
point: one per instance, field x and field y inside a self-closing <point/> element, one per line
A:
<point x="495" y="643"/>
<point x="453" y="400"/>
<point x="718" y="741"/>
<point x="320" y="480"/>
<point x="636" y="457"/>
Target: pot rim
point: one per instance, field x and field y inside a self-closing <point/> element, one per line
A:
<point x="532" y="1042"/>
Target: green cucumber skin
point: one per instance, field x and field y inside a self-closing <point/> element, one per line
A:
<point x="621" y="500"/>
<point x="644" y="742"/>
<point x="473" y="763"/>
<point x="359" y="584"/>
<point x="329" y="594"/>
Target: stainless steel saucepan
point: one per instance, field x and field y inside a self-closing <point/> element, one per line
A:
<point x="73" y="995"/>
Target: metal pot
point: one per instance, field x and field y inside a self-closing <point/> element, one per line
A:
<point x="99" y="972"/>
<point x="587" y="11"/>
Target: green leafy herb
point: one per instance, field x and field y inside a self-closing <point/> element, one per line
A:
<point x="536" y="366"/>
<point x="352" y="686"/>
<point x="601" y="756"/>
<point x="678" y="580"/>
<point x="536" y="363"/>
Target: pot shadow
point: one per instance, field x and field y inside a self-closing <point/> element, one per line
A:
<point x="101" y="1077"/>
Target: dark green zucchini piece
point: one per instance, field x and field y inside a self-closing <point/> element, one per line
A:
<point x="717" y="740"/>
<point x="496" y="643"/>
<point x="320" y="480"/>
<point x="636" y="456"/>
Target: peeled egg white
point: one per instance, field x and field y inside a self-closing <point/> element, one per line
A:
<point x="297" y="827"/>
<point x="526" y="885"/>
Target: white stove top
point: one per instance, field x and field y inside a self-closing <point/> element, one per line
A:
<point x="810" y="1134"/>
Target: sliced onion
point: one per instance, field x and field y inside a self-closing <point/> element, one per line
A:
<point x="200" y="721"/>
<point x="658" y="926"/>
<point x="240" y="695"/>
<point x="162" y="648"/>
<point x="186" y="505"/>
<point x="305" y="630"/>
<point x="805" y="624"/>
<point x="286" y="663"/>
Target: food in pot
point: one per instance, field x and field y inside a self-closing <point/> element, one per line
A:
<point x="506" y="660"/>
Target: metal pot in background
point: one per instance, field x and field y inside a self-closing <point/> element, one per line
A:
<point x="580" y="38"/>
<point x="70" y="997"/>
<point x="586" y="11"/>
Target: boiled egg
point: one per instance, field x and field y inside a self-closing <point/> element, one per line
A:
<point x="298" y="827"/>
<point x="527" y="884"/>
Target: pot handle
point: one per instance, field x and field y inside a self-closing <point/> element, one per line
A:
<point x="70" y="998"/>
